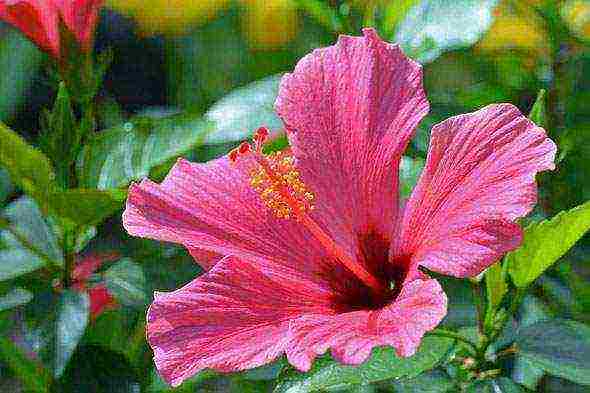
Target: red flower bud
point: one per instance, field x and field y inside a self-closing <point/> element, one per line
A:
<point x="39" y="21"/>
<point x="36" y="19"/>
<point x="80" y="17"/>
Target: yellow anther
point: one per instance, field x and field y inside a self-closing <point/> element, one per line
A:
<point x="278" y="183"/>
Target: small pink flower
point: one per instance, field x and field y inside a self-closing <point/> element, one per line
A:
<point x="98" y="294"/>
<point x="39" y="20"/>
<point x="309" y="249"/>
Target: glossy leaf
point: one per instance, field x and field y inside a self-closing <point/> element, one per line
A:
<point x="326" y="374"/>
<point x="14" y="298"/>
<point x="237" y="115"/>
<point x="526" y="373"/>
<point x="560" y="347"/>
<point x="16" y="262"/>
<point x="545" y="242"/>
<point x="115" y="157"/>
<point x="429" y="382"/>
<point x="28" y="167"/>
<point x="30" y="229"/>
<point x="60" y="138"/>
<point x="126" y="281"/>
<point x="435" y="26"/>
<point x="87" y="206"/>
<point x="30" y="242"/>
<point x="499" y="385"/>
<point x="70" y="324"/>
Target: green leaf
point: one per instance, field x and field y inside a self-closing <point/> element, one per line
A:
<point x="409" y="173"/>
<point x="115" y="157"/>
<point x="28" y="229"/>
<point x="27" y="166"/>
<point x="30" y="242"/>
<point x="560" y="347"/>
<point x="16" y="262"/>
<point x="5" y="186"/>
<point x="323" y="13"/>
<point x="16" y="297"/>
<point x="20" y="60"/>
<point x="112" y="330"/>
<point x="66" y="330"/>
<point x="31" y="375"/>
<point x="93" y="369"/>
<point x="394" y="14"/>
<point x="538" y="113"/>
<point x="435" y="26"/>
<point x="237" y="115"/>
<point x="61" y="138"/>
<point x="158" y="385"/>
<point x="435" y="381"/>
<point x="545" y="242"/>
<point x="499" y="385"/>
<point x="87" y="206"/>
<point x="265" y="373"/>
<point x="126" y="281"/>
<point x="496" y="288"/>
<point x="526" y="373"/>
<point x="326" y="374"/>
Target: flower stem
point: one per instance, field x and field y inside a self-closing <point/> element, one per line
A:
<point x="479" y="306"/>
<point x="70" y="257"/>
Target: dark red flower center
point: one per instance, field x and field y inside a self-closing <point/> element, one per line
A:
<point x="352" y="294"/>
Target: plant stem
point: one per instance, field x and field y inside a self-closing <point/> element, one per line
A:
<point x="70" y="256"/>
<point x="456" y="336"/>
<point x="479" y="306"/>
<point x="507" y="352"/>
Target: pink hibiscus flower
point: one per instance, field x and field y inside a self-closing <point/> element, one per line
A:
<point x="309" y="249"/>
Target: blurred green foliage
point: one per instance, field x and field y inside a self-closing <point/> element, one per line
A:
<point x="193" y="79"/>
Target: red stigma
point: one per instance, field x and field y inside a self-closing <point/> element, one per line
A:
<point x="244" y="148"/>
<point x="261" y="134"/>
<point x="233" y="155"/>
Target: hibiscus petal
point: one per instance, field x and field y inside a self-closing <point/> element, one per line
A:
<point x="479" y="177"/>
<point x="233" y="318"/>
<point x="212" y="207"/>
<point x="350" y="110"/>
<point x="419" y="307"/>
<point x="206" y="259"/>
